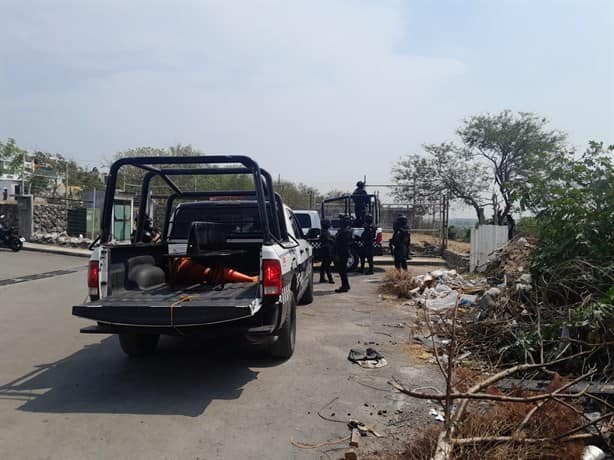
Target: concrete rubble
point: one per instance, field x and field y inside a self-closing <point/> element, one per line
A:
<point x="60" y="239"/>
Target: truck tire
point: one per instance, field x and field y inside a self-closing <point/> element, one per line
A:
<point x="138" y="344"/>
<point x="283" y="347"/>
<point x="353" y="259"/>
<point x="307" y="297"/>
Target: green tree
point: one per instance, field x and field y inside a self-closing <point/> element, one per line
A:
<point x="12" y="157"/>
<point x="445" y="170"/>
<point x="577" y="219"/>
<point x="573" y="263"/>
<point x="297" y="196"/>
<point x="511" y="157"/>
<point x="520" y="150"/>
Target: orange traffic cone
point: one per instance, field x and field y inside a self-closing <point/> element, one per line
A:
<point x="233" y="276"/>
<point x="214" y="275"/>
<point x="190" y="272"/>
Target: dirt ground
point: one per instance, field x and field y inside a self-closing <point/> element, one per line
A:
<point x="460" y="247"/>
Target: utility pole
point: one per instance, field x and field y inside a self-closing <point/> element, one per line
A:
<point x="66" y="188"/>
<point x="23" y="173"/>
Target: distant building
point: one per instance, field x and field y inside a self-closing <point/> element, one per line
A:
<point x="12" y="182"/>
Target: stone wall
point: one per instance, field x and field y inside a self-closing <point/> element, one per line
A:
<point x="460" y="262"/>
<point x="9" y="209"/>
<point x="49" y="218"/>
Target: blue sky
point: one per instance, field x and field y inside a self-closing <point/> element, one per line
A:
<point x="319" y="91"/>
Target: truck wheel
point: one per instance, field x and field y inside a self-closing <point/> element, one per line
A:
<point x="138" y="344"/>
<point x="308" y="294"/>
<point x="283" y="347"/>
<point x="353" y="260"/>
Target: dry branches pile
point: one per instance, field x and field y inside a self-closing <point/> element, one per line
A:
<point x="399" y="283"/>
<point x="481" y="421"/>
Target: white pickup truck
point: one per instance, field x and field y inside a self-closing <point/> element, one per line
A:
<point x="251" y="262"/>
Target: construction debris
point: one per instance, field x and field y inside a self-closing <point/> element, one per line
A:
<point x="355" y="439"/>
<point x="512" y="260"/>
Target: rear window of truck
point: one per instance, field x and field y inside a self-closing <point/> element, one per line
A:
<point x="242" y="220"/>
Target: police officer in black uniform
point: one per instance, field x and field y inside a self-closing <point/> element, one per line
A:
<point x="327" y="245"/>
<point x="361" y="201"/>
<point x="400" y="242"/>
<point x="343" y="243"/>
<point x="368" y="239"/>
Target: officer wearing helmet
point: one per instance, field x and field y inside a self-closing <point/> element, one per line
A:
<point x="367" y="239"/>
<point x="343" y="243"/>
<point x="400" y="242"/>
<point x="361" y="201"/>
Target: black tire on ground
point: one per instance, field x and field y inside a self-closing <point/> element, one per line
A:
<point x="308" y="294"/>
<point x="283" y="347"/>
<point x="353" y="260"/>
<point x="138" y="344"/>
<point x="15" y="244"/>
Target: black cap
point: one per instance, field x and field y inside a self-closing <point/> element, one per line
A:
<point x="360" y="184"/>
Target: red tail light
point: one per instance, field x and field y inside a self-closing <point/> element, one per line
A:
<point x="271" y="277"/>
<point x="378" y="238"/>
<point x="92" y="279"/>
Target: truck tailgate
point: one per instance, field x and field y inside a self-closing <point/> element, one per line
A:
<point x="163" y="306"/>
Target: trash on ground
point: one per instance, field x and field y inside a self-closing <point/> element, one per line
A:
<point x="467" y="299"/>
<point x="363" y="428"/>
<point x="355" y="439"/>
<point x="443" y="303"/>
<point x="593" y="453"/>
<point x="437" y="414"/>
<point x="369" y="358"/>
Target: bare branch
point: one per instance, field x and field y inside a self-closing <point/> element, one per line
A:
<point x="491" y="439"/>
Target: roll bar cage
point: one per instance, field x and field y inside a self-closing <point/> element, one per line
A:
<point x="264" y="193"/>
<point x="373" y="207"/>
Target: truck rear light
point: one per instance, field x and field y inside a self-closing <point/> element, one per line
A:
<point x="271" y="277"/>
<point x="378" y="238"/>
<point x="92" y="279"/>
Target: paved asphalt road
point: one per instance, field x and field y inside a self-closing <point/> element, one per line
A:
<point x="65" y="395"/>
